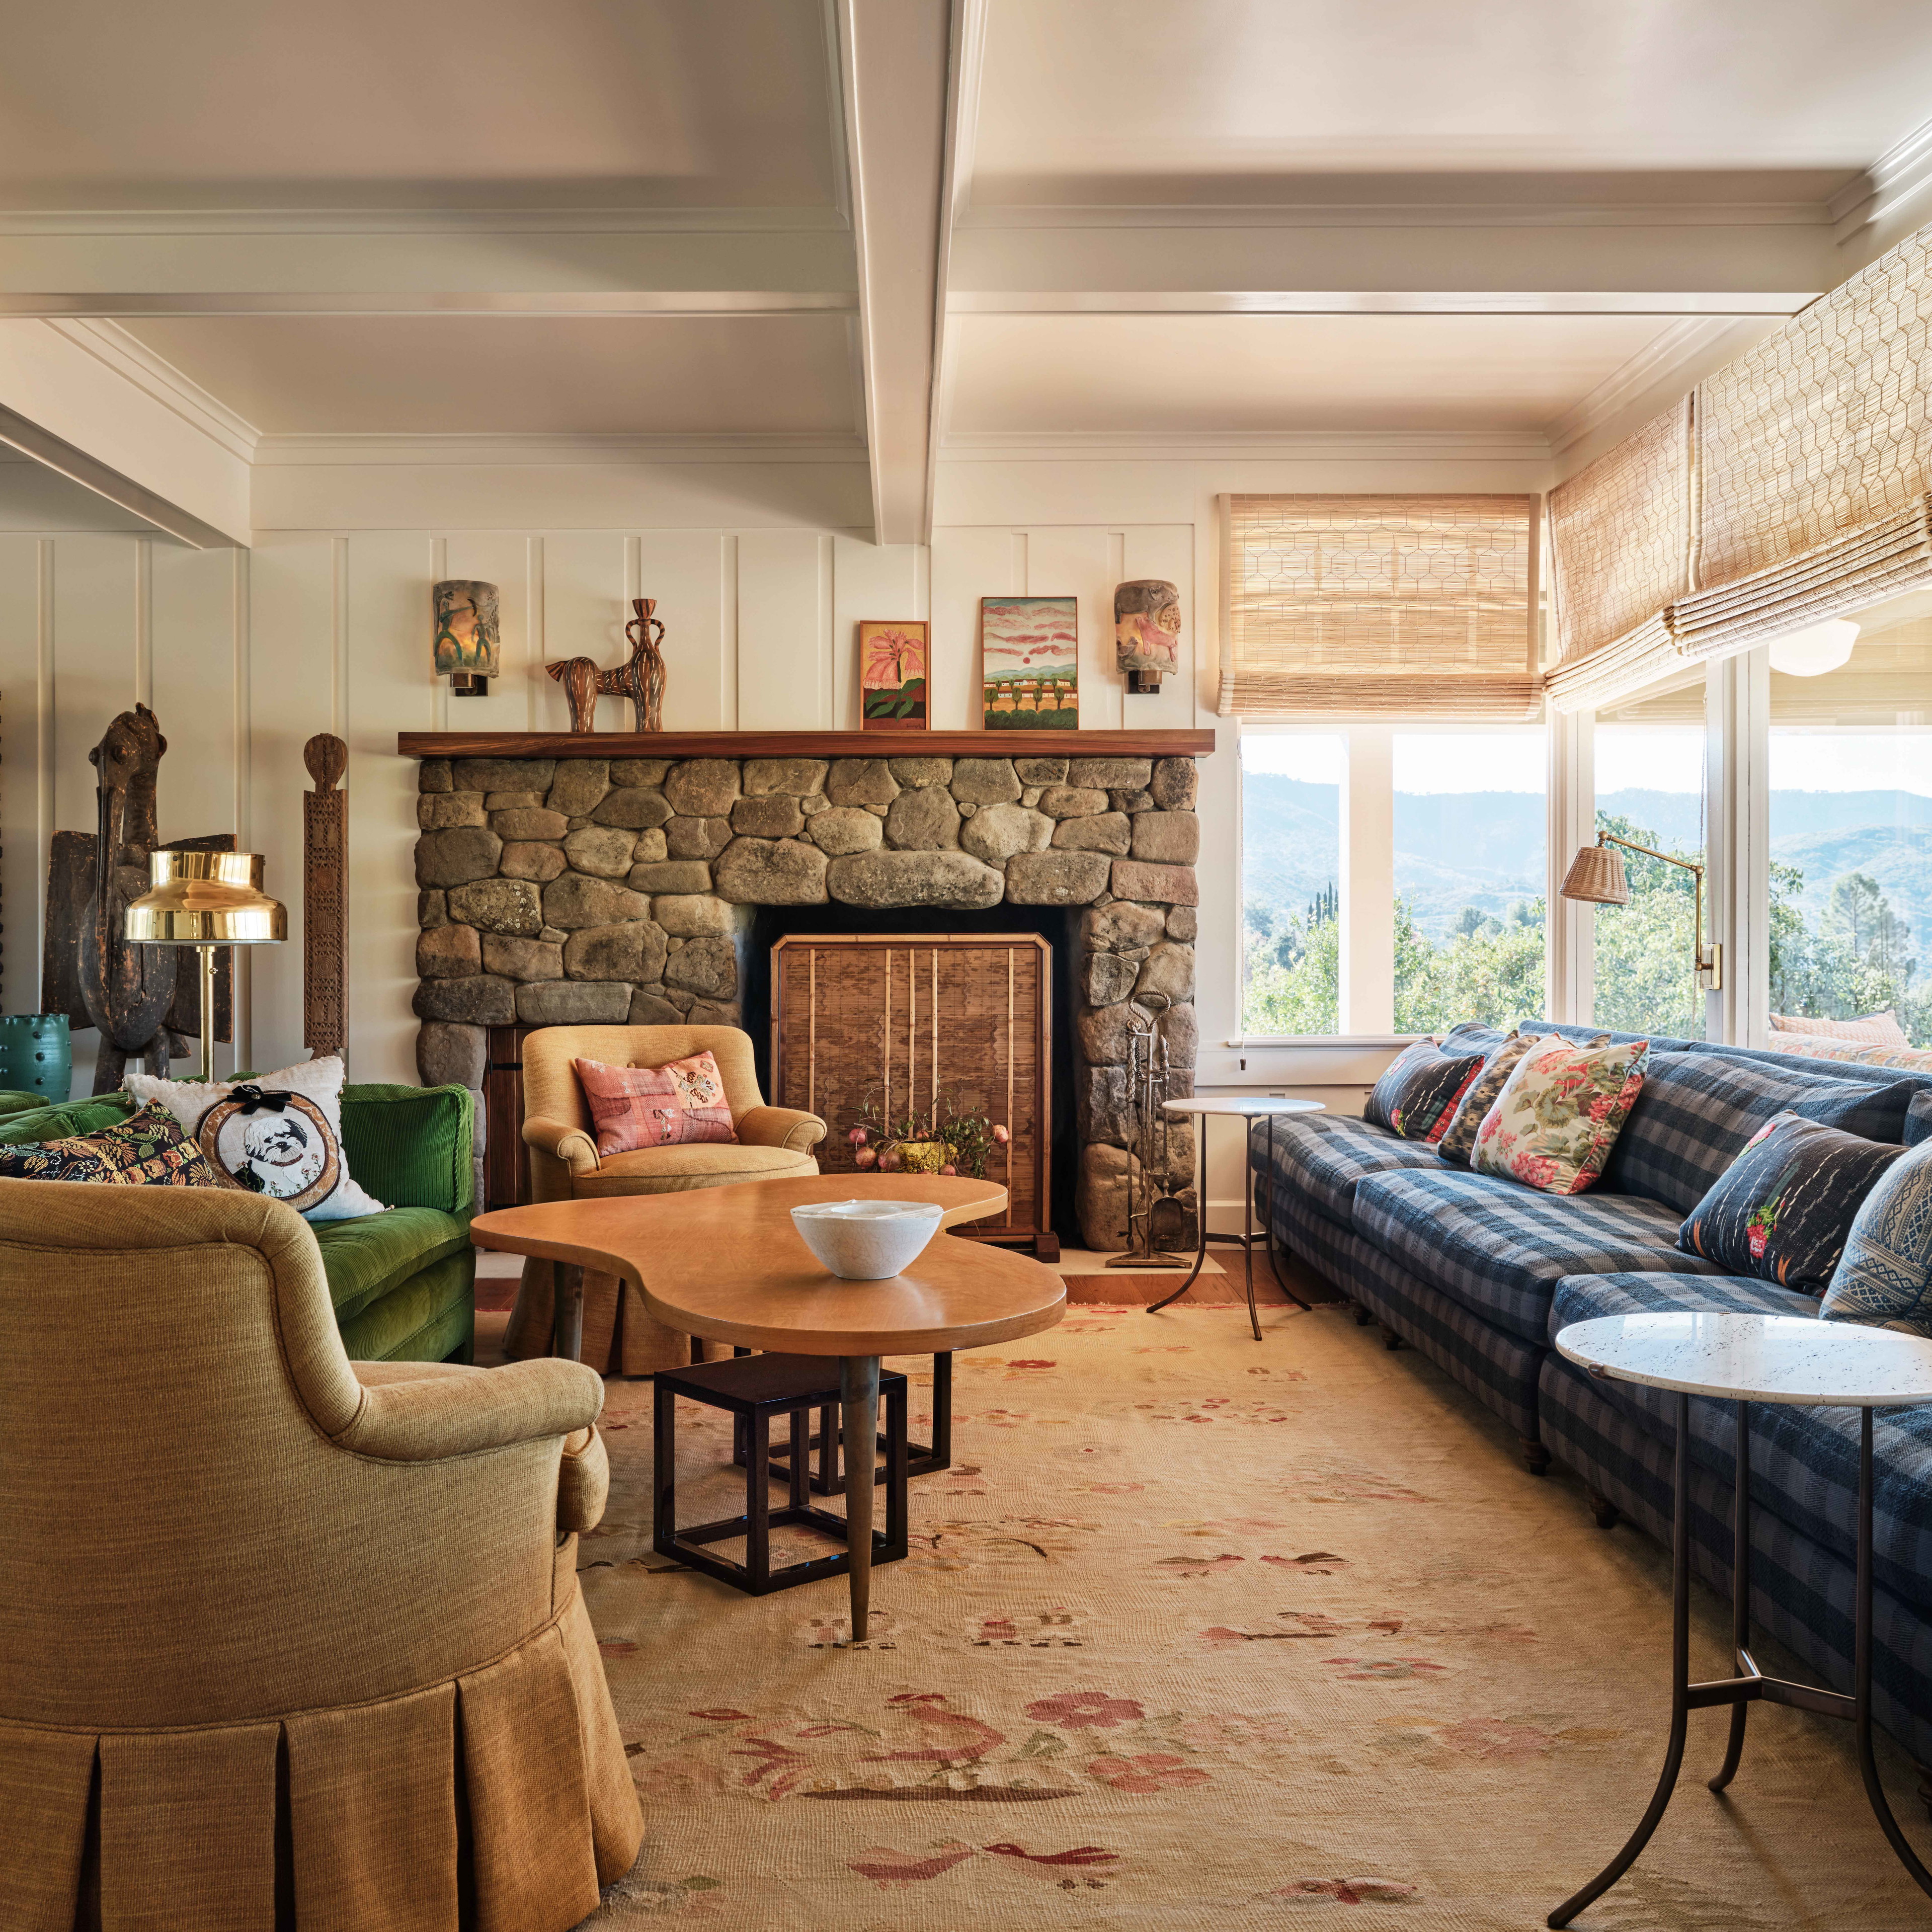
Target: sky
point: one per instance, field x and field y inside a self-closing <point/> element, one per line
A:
<point x="1629" y="757"/>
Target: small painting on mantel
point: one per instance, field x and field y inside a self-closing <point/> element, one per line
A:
<point x="1029" y="663"/>
<point x="892" y="676"/>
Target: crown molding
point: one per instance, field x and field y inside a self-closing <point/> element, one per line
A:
<point x="1677" y="349"/>
<point x="1897" y="174"/>
<point x="323" y="451"/>
<point x="135" y="362"/>
<point x="1401" y="214"/>
<point x="1288" y="445"/>
<point x="161" y="222"/>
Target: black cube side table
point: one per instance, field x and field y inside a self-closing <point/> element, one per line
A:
<point x="755" y="1390"/>
<point x="827" y="1477"/>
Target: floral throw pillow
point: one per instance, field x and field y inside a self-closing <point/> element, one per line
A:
<point x="656" y="1106"/>
<point x="1459" y="1138"/>
<point x="1417" y="1095"/>
<point x="1783" y="1208"/>
<point x="1884" y="1278"/>
<point x="149" y="1149"/>
<point x="1559" y="1114"/>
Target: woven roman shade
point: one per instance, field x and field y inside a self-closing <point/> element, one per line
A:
<point x="1356" y="606"/>
<point x="1804" y="469"/>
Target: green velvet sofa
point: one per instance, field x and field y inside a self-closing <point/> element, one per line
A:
<point x="404" y="1282"/>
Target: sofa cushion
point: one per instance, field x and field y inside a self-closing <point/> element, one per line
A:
<point x="366" y="1257"/>
<point x="1321" y="1157"/>
<point x="1782" y="1210"/>
<point x="1559" y="1114"/>
<point x="1885" y="1277"/>
<point x="667" y="1170"/>
<point x="73" y="1117"/>
<point x="149" y="1149"/>
<point x="1697" y="1110"/>
<point x="1500" y="1249"/>
<point x="1804" y="1462"/>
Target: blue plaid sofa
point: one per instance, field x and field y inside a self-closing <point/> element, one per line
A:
<point x="1479" y="1274"/>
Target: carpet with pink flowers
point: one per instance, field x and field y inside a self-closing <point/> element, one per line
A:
<point x="1202" y="1632"/>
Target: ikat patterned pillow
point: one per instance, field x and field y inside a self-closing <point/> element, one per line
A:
<point x="1884" y="1278"/>
<point x="149" y="1149"/>
<point x="1559" y="1114"/>
<point x="1416" y="1097"/>
<point x="1783" y="1210"/>
<point x="656" y="1106"/>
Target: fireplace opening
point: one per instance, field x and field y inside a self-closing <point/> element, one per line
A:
<point x="1060" y="927"/>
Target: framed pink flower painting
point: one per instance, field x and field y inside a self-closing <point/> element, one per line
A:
<point x="891" y="675"/>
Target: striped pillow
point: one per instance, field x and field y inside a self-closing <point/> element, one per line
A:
<point x="1876" y="1029"/>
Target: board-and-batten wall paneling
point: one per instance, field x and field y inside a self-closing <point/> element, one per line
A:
<point x="246" y="655"/>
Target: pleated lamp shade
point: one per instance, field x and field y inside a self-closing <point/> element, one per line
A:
<point x="1596" y="874"/>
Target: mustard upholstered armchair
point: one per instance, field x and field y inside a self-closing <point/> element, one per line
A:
<point x="262" y="1606"/>
<point x="773" y="1143"/>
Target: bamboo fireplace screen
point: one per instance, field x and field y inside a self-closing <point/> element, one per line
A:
<point x="912" y="1023"/>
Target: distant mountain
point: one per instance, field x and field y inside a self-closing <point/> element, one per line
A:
<point x="1485" y="849"/>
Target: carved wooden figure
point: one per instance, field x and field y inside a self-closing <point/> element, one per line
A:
<point x="640" y="678"/>
<point x="143" y="998"/>
<point x="324" y="904"/>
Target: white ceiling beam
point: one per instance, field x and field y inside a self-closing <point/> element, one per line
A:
<point x="898" y="87"/>
<point x="68" y="406"/>
<point x="1187" y="266"/>
<point x="297" y="264"/>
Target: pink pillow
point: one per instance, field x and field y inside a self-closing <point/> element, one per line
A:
<point x="656" y="1106"/>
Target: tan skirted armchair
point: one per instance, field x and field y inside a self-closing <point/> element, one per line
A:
<point x="773" y="1144"/>
<point x="273" y="1624"/>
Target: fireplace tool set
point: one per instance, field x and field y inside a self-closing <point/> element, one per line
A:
<point x="1149" y="1081"/>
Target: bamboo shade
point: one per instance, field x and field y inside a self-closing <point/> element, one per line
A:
<point x="1620" y="537"/>
<point x="1356" y="606"/>
<point x="1822" y="428"/>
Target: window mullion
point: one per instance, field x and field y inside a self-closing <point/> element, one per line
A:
<point x="1368" y="883"/>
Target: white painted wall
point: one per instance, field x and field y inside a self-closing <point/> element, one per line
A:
<point x="324" y="626"/>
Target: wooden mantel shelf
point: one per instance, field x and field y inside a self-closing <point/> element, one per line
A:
<point x="804" y="744"/>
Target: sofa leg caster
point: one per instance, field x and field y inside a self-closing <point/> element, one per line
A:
<point x="1363" y="1317"/>
<point x="1535" y="1457"/>
<point x="1391" y="1341"/>
<point x="1607" y="1512"/>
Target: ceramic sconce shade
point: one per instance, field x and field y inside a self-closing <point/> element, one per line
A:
<point x="467" y="644"/>
<point x="1147" y="632"/>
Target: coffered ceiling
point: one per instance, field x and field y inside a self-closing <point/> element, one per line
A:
<point x="884" y="226"/>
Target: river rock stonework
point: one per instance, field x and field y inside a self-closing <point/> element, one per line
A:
<point x="555" y="892"/>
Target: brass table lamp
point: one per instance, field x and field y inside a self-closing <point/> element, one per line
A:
<point x="206" y="899"/>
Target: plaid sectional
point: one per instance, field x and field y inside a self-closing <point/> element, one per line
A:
<point x="1697" y="1110"/>
<point x="1478" y="1273"/>
<point x="1499" y="1248"/>
<point x="1324" y="1157"/>
<point x="1499" y="1369"/>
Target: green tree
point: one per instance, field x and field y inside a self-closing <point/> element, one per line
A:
<point x="1644" y="950"/>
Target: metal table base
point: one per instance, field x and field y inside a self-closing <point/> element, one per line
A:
<point x="1245" y="1241"/>
<point x="1749" y="1685"/>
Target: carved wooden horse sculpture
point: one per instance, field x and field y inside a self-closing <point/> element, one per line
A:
<point x="640" y="678"/>
<point x="127" y="989"/>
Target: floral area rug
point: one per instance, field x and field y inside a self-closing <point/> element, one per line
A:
<point x="1202" y="1633"/>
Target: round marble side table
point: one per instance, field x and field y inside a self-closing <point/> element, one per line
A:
<point x="1244" y="1108"/>
<point x="1743" y="1359"/>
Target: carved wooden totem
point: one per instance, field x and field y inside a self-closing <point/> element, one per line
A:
<point x="325" y="904"/>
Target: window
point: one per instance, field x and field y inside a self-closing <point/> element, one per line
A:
<point x="1649" y="759"/>
<point x="1290" y="882"/>
<point x="1851" y="829"/>
<point x="1471" y="867"/>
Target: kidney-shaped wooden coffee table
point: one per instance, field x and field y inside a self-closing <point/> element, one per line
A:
<point x="726" y="1263"/>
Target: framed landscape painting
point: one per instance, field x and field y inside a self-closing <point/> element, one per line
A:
<point x="891" y="675"/>
<point x="1029" y="663"/>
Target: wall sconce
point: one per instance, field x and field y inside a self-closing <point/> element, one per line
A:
<point x="1596" y="877"/>
<point x="467" y="649"/>
<point x="1146" y="632"/>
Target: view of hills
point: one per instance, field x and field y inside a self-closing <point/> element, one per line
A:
<point x="1485" y="849"/>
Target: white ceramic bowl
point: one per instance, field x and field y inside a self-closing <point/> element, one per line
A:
<point x="867" y="1240"/>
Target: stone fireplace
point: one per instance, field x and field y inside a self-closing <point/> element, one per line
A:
<point x="601" y="889"/>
